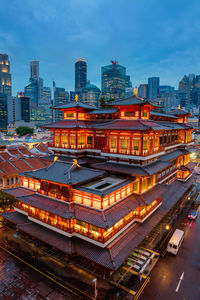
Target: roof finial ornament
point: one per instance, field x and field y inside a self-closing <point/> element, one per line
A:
<point x="135" y="91"/>
<point x="76" y="98"/>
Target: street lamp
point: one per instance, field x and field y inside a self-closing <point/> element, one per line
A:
<point x="95" y="287"/>
<point x="161" y="229"/>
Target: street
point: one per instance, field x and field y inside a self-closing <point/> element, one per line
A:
<point x="178" y="277"/>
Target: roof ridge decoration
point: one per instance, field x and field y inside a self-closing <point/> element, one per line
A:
<point x="72" y="168"/>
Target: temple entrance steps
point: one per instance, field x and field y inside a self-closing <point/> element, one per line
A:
<point x="139" y="260"/>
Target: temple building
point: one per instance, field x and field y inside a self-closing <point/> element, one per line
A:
<point x="113" y="171"/>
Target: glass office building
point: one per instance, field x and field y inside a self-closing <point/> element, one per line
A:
<point x="80" y="74"/>
<point x="61" y="96"/>
<point x="3" y="112"/>
<point x="90" y="95"/>
<point x="114" y="81"/>
<point x="5" y="76"/>
<point x="153" y="87"/>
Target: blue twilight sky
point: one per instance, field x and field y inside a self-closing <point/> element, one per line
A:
<point x="149" y="37"/>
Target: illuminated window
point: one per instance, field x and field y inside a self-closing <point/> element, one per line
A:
<point x="81" y="139"/>
<point x="113" y="142"/>
<point x="69" y="115"/>
<point x="129" y="114"/>
<point x="64" y="139"/>
<point x="95" y="228"/>
<point x="149" y="182"/>
<point x="25" y="182"/>
<point x="145" y="114"/>
<point x="124" y="144"/>
<point x="156" y="141"/>
<point x="57" y="139"/>
<point x="145" y="143"/>
<point x="136" y="144"/>
<point x="81" y="223"/>
<point x="135" y="186"/>
<point x="89" y="140"/>
<point x="144" y="185"/>
<point x="72" y="139"/>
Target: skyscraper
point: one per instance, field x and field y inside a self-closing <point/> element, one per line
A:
<point x="114" y="81"/>
<point x="34" y="69"/>
<point x="90" y="95"/>
<point x="3" y="111"/>
<point x="31" y="91"/>
<point x="153" y="87"/>
<point x="60" y="97"/>
<point x="5" y="76"/>
<point x="143" y="90"/>
<point x="80" y="74"/>
<point x="46" y="95"/>
<point x="35" y="87"/>
<point x="25" y="108"/>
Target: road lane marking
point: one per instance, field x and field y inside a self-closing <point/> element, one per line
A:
<point x="141" y="289"/>
<point x="17" y="257"/>
<point x="179" y="283"/>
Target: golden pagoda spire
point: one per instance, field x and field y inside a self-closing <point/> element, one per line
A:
<point x="135" y="91"/>
<point x="76" y="98"/>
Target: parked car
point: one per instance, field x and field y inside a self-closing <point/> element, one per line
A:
<point x="192" y="215"/>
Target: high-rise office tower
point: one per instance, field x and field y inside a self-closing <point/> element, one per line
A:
<point x="31" y="91"/>
<point x="34" y="69"/>
<point x="143" y="90"/>
<point x="90" y="95"/>
<point x="60" y="97"/>
<point x="46" y="95"/>
<point x="3" y="111"/>
<point x="14" y="109"/>
<point x="35" y="87"/>
<point x="114" y="81"/>
<point x="153" y="87"/>
<point x="5" y="76"/>
<point x="25" y="107"/>
<point x="80" y="74"/>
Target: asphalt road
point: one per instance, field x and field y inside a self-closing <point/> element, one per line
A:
<point x="165" y="280"/>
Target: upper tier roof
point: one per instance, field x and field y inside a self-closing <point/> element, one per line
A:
<point x="60" y="172"/>
<point x="156" y="113"/>
<point x="178" y="112"/>
<point x="74" y="104"/>
<point x="118" y="124"/>
<point x="103" y="111"/>
<point x="132" y="100"/>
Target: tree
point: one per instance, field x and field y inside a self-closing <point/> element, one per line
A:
<point x="6" y="201"/>
<point x="23" y="130"/>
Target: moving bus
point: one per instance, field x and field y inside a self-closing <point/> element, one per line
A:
<point x="175" y="241"/>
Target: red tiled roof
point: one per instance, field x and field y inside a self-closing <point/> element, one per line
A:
<point x="42" y="147"/>
<point x="4" y="156"/>
<point x="15" y="152"/>
<point x="21" y="165"/>
<point x="8" y="168"/>
<point x="36" y="163"/>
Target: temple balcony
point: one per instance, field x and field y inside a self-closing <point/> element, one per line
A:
<point x="53" y="195"/>
<point x="84" y="230"/>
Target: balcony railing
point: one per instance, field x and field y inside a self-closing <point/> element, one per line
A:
<point x="53" y="195"/>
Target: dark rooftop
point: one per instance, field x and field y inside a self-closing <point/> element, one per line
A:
<point x="103" y="111"/>
<point x="132" y="100"/>
<point x="60" y="172"/>
<point x="116" y="252"/>
<point x="74" y="104"/>
<point x="178" y="112"/>
<point x="156" y="113"/>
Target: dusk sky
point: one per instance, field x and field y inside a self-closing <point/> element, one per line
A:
<point x="148" y="37"/>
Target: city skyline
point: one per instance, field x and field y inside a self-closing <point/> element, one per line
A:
<point x="57" y="36"/>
